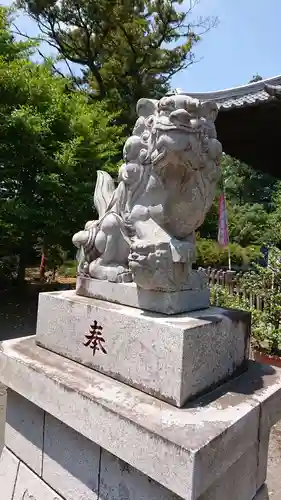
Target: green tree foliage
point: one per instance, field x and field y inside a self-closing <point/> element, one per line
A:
<point x="10" y="49"/>
<point x="250" y="197"/>
<point x="243" y="184"/>
<point x="211" y="254"/>
<point x="253" y="201"/>
<point x="52" y="141"/>
<point x="248" y="223"/>
<point x="127" y="49"/>
<point x="209" y="228"/>
<point x="274" y="220"/>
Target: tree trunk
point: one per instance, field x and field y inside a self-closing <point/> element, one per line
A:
<point x="42" y="267"/>
<point x="22" y="264"/>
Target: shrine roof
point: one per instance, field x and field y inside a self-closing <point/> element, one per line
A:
<point x="249" y="122"/>
<point x="237" y="97"/>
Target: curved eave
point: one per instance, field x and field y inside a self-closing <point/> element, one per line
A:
<point x="249" y="123"/>
<point x="246" y="95"/>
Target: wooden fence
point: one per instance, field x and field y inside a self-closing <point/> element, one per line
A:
<point x="224" y="278"/>
<point x="230" y="281"/>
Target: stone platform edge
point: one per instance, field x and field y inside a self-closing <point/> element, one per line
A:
<point x="159" y="440"/>
<point x="129" y="294"/>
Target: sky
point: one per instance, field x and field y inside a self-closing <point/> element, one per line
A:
<point x="246" y="41"/>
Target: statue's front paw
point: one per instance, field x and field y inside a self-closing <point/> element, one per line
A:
<point x="139" y="213"/>
<point x="80" y="239"/>
<point x="115" y="273"/>
<point x="90" y="224"/>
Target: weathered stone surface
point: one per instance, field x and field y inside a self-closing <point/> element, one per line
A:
<point x="173" y="358"/>
<point x="24" y="430"/>
<point x="30" y="487"/>
<point x="269" y="416"/>
<point x="9" y="465"/>
<point x="119" y="480"/>
<point x="262" y="455"/>
<point x="185" y="450"/>
<point x="262" y="494"/>
<point x="71" y="461"/>
<point x="131" y="295"/>
<point x="239" y="481"/>
<point x="146" y="227"/>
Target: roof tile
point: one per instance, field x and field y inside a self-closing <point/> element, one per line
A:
<point x="238" y="97"/>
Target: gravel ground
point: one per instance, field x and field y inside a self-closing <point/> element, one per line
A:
<point x="18" y="313"/>
<point x="18" y="309"/>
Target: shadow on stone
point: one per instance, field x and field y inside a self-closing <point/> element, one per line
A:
<point x="24" y="430"/>
<point x="70" y="461"/>
<point x="252" y="381"/>
<point x="262" y="494"/>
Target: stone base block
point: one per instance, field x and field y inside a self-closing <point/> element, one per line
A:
<point x="24" y="430"/>
<point x="172" y="358"/>
<point x="29" y="486"/>
<point x="9" y="465"/>
<point x="131" y="295"/>
<point x="262" y="494"/>
<point x="105" y="440"/>
<point x="117" y="481"/>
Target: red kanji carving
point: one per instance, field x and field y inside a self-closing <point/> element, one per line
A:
<point x="95" y="339"/>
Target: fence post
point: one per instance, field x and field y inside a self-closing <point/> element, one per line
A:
<point x="230" y="281"/>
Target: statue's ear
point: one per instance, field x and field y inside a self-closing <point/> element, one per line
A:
<point x="103" y="192"/>
<point x="209" y="110"/>
<point x="146" y="107"/>
<point x="180" y="116"/>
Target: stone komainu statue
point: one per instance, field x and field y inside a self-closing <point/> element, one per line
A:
<point x="146" y="227"/>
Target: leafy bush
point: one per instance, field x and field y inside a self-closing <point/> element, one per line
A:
<point x="55" y="257"/>
<point x="210" y="253"/>
<point x="266" y="284"/>
<point x="221" y="297"/>
<point x="68" y="269"/>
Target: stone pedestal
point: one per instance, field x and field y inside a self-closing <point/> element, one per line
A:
<point x="175" y="358"/>
<point x="130" y="294"/>
<point x="75" y="434"/>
